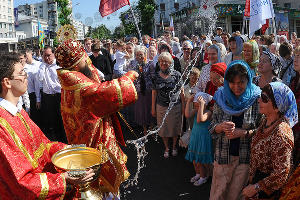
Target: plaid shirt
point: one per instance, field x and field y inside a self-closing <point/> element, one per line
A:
<point x="251" y="120"/>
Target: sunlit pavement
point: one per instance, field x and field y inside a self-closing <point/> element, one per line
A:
<point x="162" y="179"/>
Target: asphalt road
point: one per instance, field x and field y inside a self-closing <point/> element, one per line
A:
<point x="161" y="179"/>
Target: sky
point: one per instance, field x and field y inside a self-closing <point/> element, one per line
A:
<point x="87" y="11"/>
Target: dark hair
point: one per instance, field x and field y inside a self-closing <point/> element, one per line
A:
<point x="7" y="63"/>
<point x="268" y="39"/>
<point x="285" y="49"/>
<point x="49" y="47"/>
<point x="164" y="46"/>
<point x="86" y="39"/>
<point x="268" y="90"/>
<point x="195" y="49"/>
<point x="237" y="70"/>
<point x="167" y="32"/>
<point x="96" y="47"/>
<point x="231" y="39"/>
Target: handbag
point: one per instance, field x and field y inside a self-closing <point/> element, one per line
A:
<point x="185" y="139"/>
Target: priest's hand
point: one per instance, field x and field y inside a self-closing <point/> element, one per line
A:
<point x="73" y="180"/>
<point x="135" y="74"/>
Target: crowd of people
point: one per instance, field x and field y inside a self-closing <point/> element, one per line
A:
<point x="239" y="103"/>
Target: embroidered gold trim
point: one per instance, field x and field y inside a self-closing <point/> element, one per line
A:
<point x="25" y="124"/>
<point x="119" y="92"/>
<point x="45" y="186"/>
<point x="49" y="145"/>
<point x="18" y="142"/>
<point x="39" y="152"/>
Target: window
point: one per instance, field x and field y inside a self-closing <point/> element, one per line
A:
<point x="0" y="25"/>
<point x="41" y="15"/>
<point x="9" y="18"/>
<point x="10" y="27"/>
<point x="287" y="5"/>
<point x="35" y="13"/>
<point x="176" y="6"/>
<point x="162" y="7"/>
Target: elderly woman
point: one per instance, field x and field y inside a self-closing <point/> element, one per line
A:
<point x="268" y="67"/>
<point x="214" y="56"/>
<point x="165" y="47"/>
<point x="185" y="59"/>
<point x="151" y="53"/>
<point x="251" y="55"/>
<point x="295" y="87"/>
<point x="287" y="72"/>
<point x="166" y="81"/>
<point x="142" y="108"/>
<point x="234" y="115"/>
<point x="236" y="48"/>
<point x="272" y="145"/>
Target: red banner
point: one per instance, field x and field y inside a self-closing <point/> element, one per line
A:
<point x="109" y="6"/>
<point x="247" y="9"/>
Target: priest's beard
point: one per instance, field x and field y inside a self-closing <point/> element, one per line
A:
<point x="86" y="71"/>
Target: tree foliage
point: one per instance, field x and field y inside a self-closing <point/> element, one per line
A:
<point x="100" y="32"/>
<point x="119" y="32"/>
<point x="147" y="9"/>
<point x="64" y="12"/>
<point x="144" y="13"/>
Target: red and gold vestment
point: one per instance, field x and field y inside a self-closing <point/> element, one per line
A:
<point x="89" y="109"/>
<point x="26" y="170"/>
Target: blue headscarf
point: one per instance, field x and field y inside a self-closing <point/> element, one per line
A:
<point x="239" y="45"/>
<point x="231" y="104"/>
<point x="285" y="101"/>
<point x="218" y="51"/>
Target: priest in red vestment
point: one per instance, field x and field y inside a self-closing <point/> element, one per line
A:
<point x="89" y="106"/>
<point x="26" y="170"/>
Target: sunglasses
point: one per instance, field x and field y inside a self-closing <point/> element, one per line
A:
<point x="264" y="98"/>
<point x="186" y="49"/>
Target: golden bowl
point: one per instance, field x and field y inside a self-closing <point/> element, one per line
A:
<point x="79" y="159"/>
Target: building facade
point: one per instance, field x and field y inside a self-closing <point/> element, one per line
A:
<point x="228" y="14"/>
<point x="8" y="37"/>
<point x="30" y="25"/>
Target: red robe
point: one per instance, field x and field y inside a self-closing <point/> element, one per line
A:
<point x="26" y="170"/>
<point x="88" y="109"/>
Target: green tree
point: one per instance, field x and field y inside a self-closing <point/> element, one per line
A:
<point x="101" y="32"/>
<point x="146" y="9"/>
<point x="128" y="22"/>
<point x="64" y="12"/>
<point x="119" y="32"/>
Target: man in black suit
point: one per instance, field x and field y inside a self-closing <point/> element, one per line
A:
<point x="101" y="59"/>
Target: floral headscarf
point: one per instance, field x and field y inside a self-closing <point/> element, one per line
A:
<point x="285" y="101"/>
<point x="275" y="62"/>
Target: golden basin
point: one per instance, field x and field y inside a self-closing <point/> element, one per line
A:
<point x="76" y="161"/>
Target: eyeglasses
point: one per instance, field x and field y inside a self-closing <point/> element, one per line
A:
<point x="264" y="98"/>
<point x="23" y="74"/>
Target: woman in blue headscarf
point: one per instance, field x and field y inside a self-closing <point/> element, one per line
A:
<point x="236" y="49"/>
<point x="235" y="117"/>
<point x="214" y="56"/>
<point x="272" y="145"/>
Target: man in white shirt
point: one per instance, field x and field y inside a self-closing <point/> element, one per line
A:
<point x="49" y="100"/>
<point x="31" y="67"/>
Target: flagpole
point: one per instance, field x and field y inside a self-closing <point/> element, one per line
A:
<point x="136" y="24"/>
<point x="244" y="21"/>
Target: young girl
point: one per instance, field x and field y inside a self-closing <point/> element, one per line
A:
<point x="200" y="146"/>
<point x="121" y="55"/>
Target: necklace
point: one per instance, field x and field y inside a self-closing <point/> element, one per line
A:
<point x="265" y="126"/>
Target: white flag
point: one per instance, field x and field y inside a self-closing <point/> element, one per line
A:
<point x="260" y="10"/>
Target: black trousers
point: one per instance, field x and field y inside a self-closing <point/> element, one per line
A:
<point x="51" y="117"/>
<point x="35" y="114"/>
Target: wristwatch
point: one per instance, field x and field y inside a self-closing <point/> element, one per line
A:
<point x="256" y="187"/>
